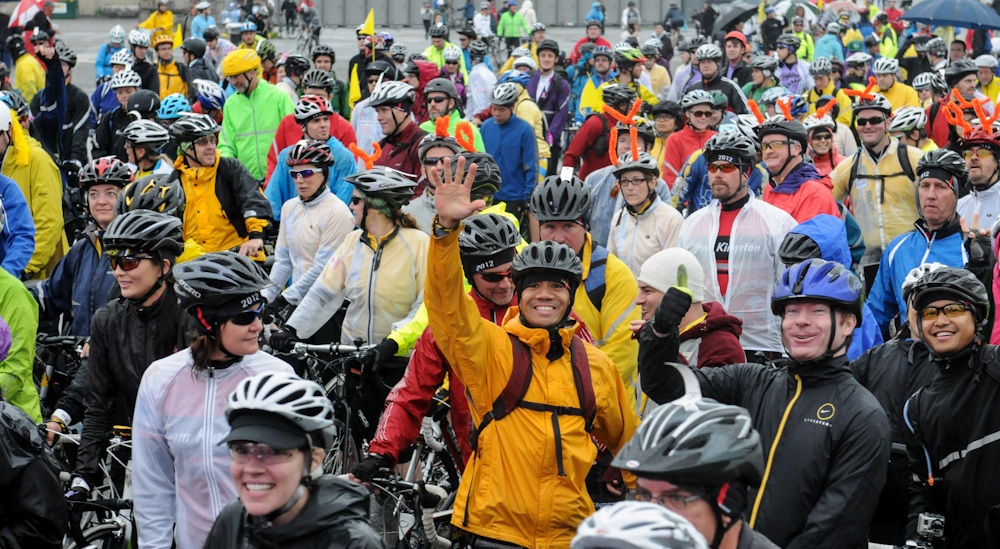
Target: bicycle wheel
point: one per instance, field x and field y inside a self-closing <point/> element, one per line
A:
<point x="108" y="535"/>
<point x="342" y="455"/>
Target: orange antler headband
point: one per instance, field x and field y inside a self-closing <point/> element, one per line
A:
<point x="755" y="109"/>
<point x="785" y="106"/>
<point x="628" y="120"/>
<point x="368" y="159"/>
<point x="863" y="94"/>
<point x="821" y="112"/>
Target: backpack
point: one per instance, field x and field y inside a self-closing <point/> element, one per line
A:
<point x="513" y="393"/>
<point x="595" y="285"/>
<point x="601" y="144"/>
<point x="904" y="163"/>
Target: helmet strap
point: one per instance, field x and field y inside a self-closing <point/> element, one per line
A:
<point x="156" y="286"/>
<point x="744" y="180"/>
<point x="300" y="491"/>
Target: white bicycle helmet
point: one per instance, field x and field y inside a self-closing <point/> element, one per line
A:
<point x="117" y="34"/>
<point x="885" y="65"/>
<point x="621" y="46"/>
<point x="878" y="102"/>
<point x="929" y="81"/>
<point x="916" y="274"/>
<point x="821" y="66"/>
<point x="398" y="52"/>
<point x="772" y="95"/>
<point x="744" y="124"/>
<point x="391" y="94"/>
<point x="537" y="27"/>
<point x="908" y="119"/>
<point x="452" y="53"/>
<point x="147" y="133"/>
<point x="122" y="57"/>
<point x="696" y="97"/>
<point x="813" y="123"/>
<point x="708" y="51"/>
<point x="137" y="38"/>
<point x="986" y="61"/>
<point x="637" y="525"/>
<point x="520" y="52"/>
<point x="858" y="57"/>
<point x="127" y="78"/>
<point x="525" y="62"/>
<point x="300" y="401"/>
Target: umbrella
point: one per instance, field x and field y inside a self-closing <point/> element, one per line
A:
<point x="737" y="13"/>
<point x="840" y="5"/>
<point x="786" y="9"/>
<point x="24" y="11"/>
<point x="956" y="13"/>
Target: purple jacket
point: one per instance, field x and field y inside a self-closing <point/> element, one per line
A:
<point x="554" y="104"/>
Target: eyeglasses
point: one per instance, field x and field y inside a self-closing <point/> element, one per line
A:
<point x="247" y="318"/>
<point x="783" y="46"/>
<point x="433" y="160"/>
<point x="451" y="62"/>
<point x="980" y="152"/>
<point x="700" y="114"/>
<point x="632" y="182"/>
<point x="495" y="277"/>
<point x="873" y="121"/>
<point x="436" y="99"/>
<point x="725" y="167"/>
<point x="951" y="310"/>
<point x="355" y="200"/>
<point x="670" y="500"/>
<point x="240" y="452"/>
<point x="302" y="174"/>
<point x="775" y="145"/>
<point x="207" y="140"/>
<point x="822" y="136"/>
<point x="127" y="262"/>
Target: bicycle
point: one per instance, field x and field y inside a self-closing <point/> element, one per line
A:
<point x="307" y="39"/>
<point x="113" y="530"/>
<point x="422" y="512"/>
<point x="57" y="359"/>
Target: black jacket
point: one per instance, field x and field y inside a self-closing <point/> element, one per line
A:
<point x="733" y="93"/>
<point x="199" y="69"/>
<point x="108" y="140"/>
<point x="124" y="341"/>
<point x="956" y="419"/>
<point x="741" y="72"/>
<point x="150" y="76"/>
<point x="335" y="517"/>
<point x="770" y="30"/>
<point x="829" y="460"/>
<point x="69" y="141"/>
<point x="892" y="372"/>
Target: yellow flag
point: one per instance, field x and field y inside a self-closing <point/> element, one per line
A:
<point x="353" y="89"/>
<point x="369" y="27"/>
<point x="178" y="37"/>
<point x="819" y="4"/>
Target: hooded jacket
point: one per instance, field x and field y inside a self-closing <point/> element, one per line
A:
<point x="249" y="123"/>
<point x="729" y="88"/>
<point x="335" y="517"/>
<point x="402" y="151"/>
<point x="714" y="340"/>
<point x="802" y="195"/>
<point x="827" y="441"/>
<point x="18" y="242"/>
<point x="79" y="283"/>
<point x="20" y="311"/>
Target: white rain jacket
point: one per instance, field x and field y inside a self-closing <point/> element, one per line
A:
<point x="754" y="265"/>
<point x="385" y="286"/>
<point x="366" y="127"/>
<point x="986" y="203"/>
<point x="310" y="233"/>
<point x="180" y="472"/>
<point x="634" y="238"/>
<point x="481" y="83"/>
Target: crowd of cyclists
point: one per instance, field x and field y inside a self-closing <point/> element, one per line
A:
<point x="746" y="300"/>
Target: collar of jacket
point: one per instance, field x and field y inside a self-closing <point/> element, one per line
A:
<point x="815" y="372"/>
<point x="404" y="137"/>
<point x="948" y="229"/>
<point x="794" y="180"/>
<point x="969" y="359"/>
<point x="490" y="310"/>
<point x="204" y="173"/>
<point x="537" y="339"/>
<point x="147" y="312"/>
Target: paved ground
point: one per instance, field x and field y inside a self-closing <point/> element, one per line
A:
<point x="85" y="36"/>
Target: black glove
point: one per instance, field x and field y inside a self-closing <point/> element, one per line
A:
<point x="673" y="307"/>
<point x="79" y="491"/>
<point x="283" y="340"/>
<point x="365" y="470"/>
<point x="379" y="353"/>
<point x="274" y="309"/>
<point x="980" y="251"/>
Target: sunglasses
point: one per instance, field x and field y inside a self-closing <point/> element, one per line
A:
<point x="700" y="114"/>
<point x="951" y="310"/>
<point x="856" y="65"/>
<point x="981" y="153"/>
<point x="495" y="277"/>
<point x="433" y="160"/>
<point x="725" y="167"/>
<point x="247" y="318"/>
<point x="451" y="62"/>
<point x="775" y="145"/>
<point x="127" y="262"/>
<point x="822" y="136"/>
<point x="436" y="99"/>
<point x="302" y="174"/>
<point x="240" y="452"/>
<point x="355" y="200"/>
<point x="873" y="121"/>
<point x="207" y="140"/>
<point x="373" y="80"/>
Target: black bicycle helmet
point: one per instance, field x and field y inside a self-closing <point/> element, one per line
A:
<point x="441" y="85"/>
<point x="380" y="67"/>
<point x="946" y="160"/>
<point x="107" y="170"/>
<point x="790" y="40"/>
<point x="487" y="234"/>
<point x="296" y="64"/>
<point x="547" y="45"/>
<point x="478" y="49"/>
<point x="158" y="193"/>
<point x="643" y="127"/>
<point x="617" y="95"/>
<point x="191" y="127"/>
<point x="15" y="45"/>
<point x="323" y="49"/>
<point x="487" y="181"/>
<point x="65" y="54"/>
<point x="143" y="231"/>
<point x="798" y="247"/>
<point x="319" y="79"/>
<point x="210" y="33"/>
<point x="792" y="129"/>
<point x="432" y="140"/>
<point x="144" y="102"/>
<point x="217" y="279"/>
<point x="385" y="183"/>
<point x="194" y="46"/>
<point x="438" y="31"/>
<point x="310" y="151"/>
<point x="551" y="257"/>
<point x="671" y="108"/>
<point x="559" y="200"/>
<point x="956" y="282"/>
<point x="732" y="147"/>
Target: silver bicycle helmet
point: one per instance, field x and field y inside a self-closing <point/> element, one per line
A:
<point x="432" y="140"/>
<point x="451" y="53"/>
<point x="885" y="65"/>
<point x="908" y="119"/>
<point x="216" y="279"/>
<point x="398" y="52"/>
<point x="556" y="199"/>
<point x="143" y="231"/>
<point x="645" y="163"/>
<point x="191" y="127"/>
<point x="486" y="234"/>
<point x="694" y="98"/>
<point x="319" y="79"/>
<point x="821" y="66"/>
<point x="877" y="102"/>
<point x="392" y="94"/>
<point x="636" y="525"/>
<point x="708" y="51"/>
<point x="812" y="123"/>
<point x="504" y="95"/>
<point x="385" y="183"/>
<point x="146" y="133"/>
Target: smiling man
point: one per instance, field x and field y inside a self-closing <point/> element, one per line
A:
<point x="980" y="149"/>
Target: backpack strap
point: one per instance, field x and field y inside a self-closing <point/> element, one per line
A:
<point x="513" y="392"/>
<point x="596" y="283"/>
<point x="902" y="151"/>
<point x="911" y="415"/>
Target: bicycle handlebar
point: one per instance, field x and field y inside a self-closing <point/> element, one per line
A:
<point x="331" y="348"/>
<point x="103" y="504"/>
<point x="58" y="340"/>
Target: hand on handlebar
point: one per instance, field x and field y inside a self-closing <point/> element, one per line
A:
<point x="284" y="339"/>
<point x="79" y="490"/>
<point x="379" y="353"/>
<point x="366" y="469"/>
<point x="275" y="308"/>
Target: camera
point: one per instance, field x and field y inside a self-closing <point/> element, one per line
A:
<point x="930" y="525"/>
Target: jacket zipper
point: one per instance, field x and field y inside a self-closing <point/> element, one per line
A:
<point x="207" y="439"/>
<point x="774" y="447"/>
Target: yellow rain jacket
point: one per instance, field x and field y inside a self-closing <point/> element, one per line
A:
<point x="900" y="95"/>
<point x="526" y="109"/>
<point x="39" y="179"/>
<point x="159" y="22"/>
<point x="511" y="490"/>
<point x="842" y="99"/>
<point x="29" y="76"/>
<point x="591" y="99"/>
<point x="171" y="78"/>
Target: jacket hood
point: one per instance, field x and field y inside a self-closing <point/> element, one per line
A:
<point x="527" y="5"/>
<point x="428" y="71"/>
<point x="332" y="503"/>
<point x="830" y="235"/>
<point x="792" y="183"/>
<point x="717" y="319"/>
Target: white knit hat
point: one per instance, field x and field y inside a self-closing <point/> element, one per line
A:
<point x="662" y="269"/>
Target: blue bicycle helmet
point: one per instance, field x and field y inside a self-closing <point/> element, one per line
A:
<point x="172" y="106"/>
<point x="819" y="280"/>
<point x="516" y="77"/>
<point x="799" y="105"/>
<point x="210" y="95"/>
<point x="248" y="26"/>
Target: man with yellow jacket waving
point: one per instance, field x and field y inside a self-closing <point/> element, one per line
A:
<point x="525" y="483"/>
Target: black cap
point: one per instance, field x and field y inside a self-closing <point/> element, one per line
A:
<point x="266" y="428"/>
<point x="547" y="44"/>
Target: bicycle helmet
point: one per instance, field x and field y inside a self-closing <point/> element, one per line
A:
<point x="668" y="107"/>
<point x="930" y="81"/>
<point x="65" y="54"/>
<point x="384" y="183"/>
<point x="217" y="279"/>
<point x="709" y="52"/>
<point x="210" y="94"/>
<point x="644" y="163"/>
<point x="117" y="34"/>
<point x="310" y="151"/>
<point x="487" y="181"/>
<point x="885" y="65"/>
<point x="451" y="53"/>
<point x="161" y="38"/>
<point x="323" y="49"/>
<point x="944" y="164"/>
<point x="915" y="275"/>
<point x="556" y="199"/>
<point x="15" y="45"/>
<point x="798" y="247"/>
<point x="520" y="51"/>
<point x="790" y="41"/>
<point x="486" y="235"/>
<point x="300" y="413"/>
<point x="143" y="231"/>
<point x="821" y="66"/>
<point x="908" y="119"/>
<point x="515" y="77"/>
<point x="398" y="52"/>
<point x="395" y="94"/>
<point x="772" y="95"/>
<point x="441" y="85"/>
<point x="537" y="27"/>
<point x="744" y="124"/>
<point x="318" y="79"/>
<point x="733" y="147"/>
<point x="144" y="102"/>
<point x="765" y="64"/>
<point x="387" y="39"/>
<point x="311" y="106"/>
<point x="547" y="45"/>
<point x="248" y="26"/>
<point x="834" y="28"/>
<point x="525" y="62"/>
<point x="432" y="140"/>
<point x="548" y="258"/>
<point x="792" y="129"/>
<point x="127" y="78"/>
<point x="210" y="33"/>
<point x="936" y="46"/>
<point x="438" y="31"/>
<point x="877" y="102"/>
<point x="239" y="62"/>
<point x="651" y="48"/>
<point x="172" y="106"/>
<point x="644" y="128"/>
<point x="819" y="280"/>
<point x="618" y="96"/>
<point x="296" y="65"/>
<point x="266" y="50"/>
<point x="138" y="39"/>
<point x="636" y="525"/>
<point x="478" y="49"/>
<point x="957" y="283"/>
<point x="121" y="57"/>
<point x="504" y="95"/>
<point x="192" y="126"/>
<point x="16" y="102"/>
<point x="604" y="51"/>
<point x="694" y="98"/>
<point x="158" y="193"/>
<point x="813" y="123"/>
<point x="958" y="70"/>
<point x="592" y="23"/>
<point x="194" y="46"/>
<point x="107" y="170"/>
<point x="148" y="134"/>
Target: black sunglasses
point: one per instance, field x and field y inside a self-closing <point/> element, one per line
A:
<point x="870" y="121"/>
<point x="495" y="277"/>
<point x="357" y="200"/>
<point x="433" y="160"/>
<point x="437" y="99"/>
<point x="247" y="318"/>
